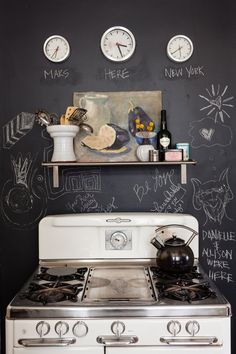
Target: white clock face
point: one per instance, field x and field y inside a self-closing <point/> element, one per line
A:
<point x="180" y="48"/>
<point x="118" y="44"/>
<point x="56" y="48"/>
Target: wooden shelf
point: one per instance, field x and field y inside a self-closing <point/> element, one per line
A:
<point x="55" y="166"/>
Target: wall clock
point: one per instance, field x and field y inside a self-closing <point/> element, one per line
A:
<point x="56" y="48"/>
<point x="118" y="44"/>
<point x="179" y="48"/>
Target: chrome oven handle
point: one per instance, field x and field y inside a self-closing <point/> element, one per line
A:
<point x="46" y="342"/>
<point x="117" y="341"/>
<point x="191" y="341"/>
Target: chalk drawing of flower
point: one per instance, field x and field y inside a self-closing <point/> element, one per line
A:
<point x="217" y="102"/>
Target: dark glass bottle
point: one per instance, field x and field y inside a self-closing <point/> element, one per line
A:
<point x="163" y="137"/>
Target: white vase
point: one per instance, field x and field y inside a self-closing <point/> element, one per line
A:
<point x="63" y="139"/>
<point x="142" y="152"/>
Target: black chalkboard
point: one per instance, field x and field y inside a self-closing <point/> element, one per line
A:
<point x="199" y="96"/>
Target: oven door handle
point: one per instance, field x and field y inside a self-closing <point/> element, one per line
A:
<point x="191" y="341"/>
<point x="46" y="342"/>
<point x="117" y="341"/>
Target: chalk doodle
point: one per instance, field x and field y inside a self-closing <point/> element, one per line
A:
<point x="170" y="195"/>
<point x="23" y="200"/>
<point x="217" y="102"/>
<point x="207" y="133"/>
<point x="17" y="128"/>
<point x="73" y="179"/>
<point x="87" y="203"/>
<point x="212" y="197"/>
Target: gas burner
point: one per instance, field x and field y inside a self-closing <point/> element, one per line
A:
<point x="61" y="274"/>
<point x="185" y="290"/>
<point x="52" y="292"/>
<point x="170" y="277"/>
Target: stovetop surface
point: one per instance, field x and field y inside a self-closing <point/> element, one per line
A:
<point x="130" y="290"/>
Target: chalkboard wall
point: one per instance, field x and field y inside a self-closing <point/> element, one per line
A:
<point x="199" y="96"/>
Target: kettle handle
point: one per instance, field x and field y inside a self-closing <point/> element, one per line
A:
<point x="194" y="233"/>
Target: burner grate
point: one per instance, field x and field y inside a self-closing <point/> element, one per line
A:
<point x="181" y="287"/>
<point x="61" y="274"/>
<point x="52" y="292"/>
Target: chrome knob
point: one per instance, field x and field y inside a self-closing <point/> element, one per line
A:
<point x="192" y="327"/>
<point x="174" y="327"/>
<point x="42" y="328"/>
<point x="61" y="328"/>
<point x="80" y="329"/>
<point x="118" y="328"/>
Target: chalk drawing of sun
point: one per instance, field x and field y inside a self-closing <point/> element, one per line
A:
<point x="217" y="102"/>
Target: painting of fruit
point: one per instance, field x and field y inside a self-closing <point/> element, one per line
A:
<point x="120" y="122"/>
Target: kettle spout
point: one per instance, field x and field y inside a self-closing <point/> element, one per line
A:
<point x="157" y="242"/>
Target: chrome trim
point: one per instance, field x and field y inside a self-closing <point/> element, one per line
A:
<point x="191" y="341"/>
<point x="46" y="342"/>
<point x="118" y="220"/>
<point x="115" y="310"/>
<point x="117" y="341"/>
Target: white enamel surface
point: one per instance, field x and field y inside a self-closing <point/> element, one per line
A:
<point x="149" y="331"/>
<point x="82" y="236"/>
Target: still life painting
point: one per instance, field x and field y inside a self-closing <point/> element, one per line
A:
<point x="117" y="123"/>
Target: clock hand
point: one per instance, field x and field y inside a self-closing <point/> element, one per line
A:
<point x="121" y="45"/>
<point x="55" y="52"/>
<point x="118" y="46"/>
<point x="176" y="50"/>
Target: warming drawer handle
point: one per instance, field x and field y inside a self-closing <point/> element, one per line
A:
<point x="117" y="341"/>
<point x="46" y="342"/>
<point x="191" y="341"/>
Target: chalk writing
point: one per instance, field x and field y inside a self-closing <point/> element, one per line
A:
<point x="88" y="203"/>
<point x="207" y="133"/>
<point x="170" y="195"/>
<point x="116" y="74"/>
<point x="56" y="74"/>
<point x="217" y="103"/>
<point x="217" y="235"/>
<point x="218" y="257"/>
<point x="141" y="191"/>
<point x="212" y="197"/>
<point x="23" y="203"/>
<point x="184" y="72"/>
<point x="17" y="128"/>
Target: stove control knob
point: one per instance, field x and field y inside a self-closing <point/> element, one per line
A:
<point x="80" y="329"/>
<point x="42" y="328"/>
<point x="61" y="328"/>
<point x="174" y="327"/>
<point x="192" y="327"/>
<point x="118" y="328"/>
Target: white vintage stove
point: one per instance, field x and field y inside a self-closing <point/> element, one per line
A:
<point x="97" y="290"/>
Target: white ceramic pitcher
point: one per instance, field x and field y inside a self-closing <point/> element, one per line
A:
<point x="98" y="112"/>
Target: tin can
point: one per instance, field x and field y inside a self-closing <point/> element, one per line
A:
<point x="153" y="155"/>
<point x="185" y="148"/>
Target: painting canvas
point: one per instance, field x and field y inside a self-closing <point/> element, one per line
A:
<point x="117" y="123"/>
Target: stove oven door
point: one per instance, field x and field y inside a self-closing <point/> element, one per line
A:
<point x="167" y="350"/>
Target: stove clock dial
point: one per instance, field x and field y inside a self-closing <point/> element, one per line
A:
<point x="42" y="328"/>
<point x="61" y="328"/>
<point x="80" y="329"/>
<point x="118" y="240"/>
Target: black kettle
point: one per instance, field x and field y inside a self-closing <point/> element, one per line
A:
<point x="174" y="254"/>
